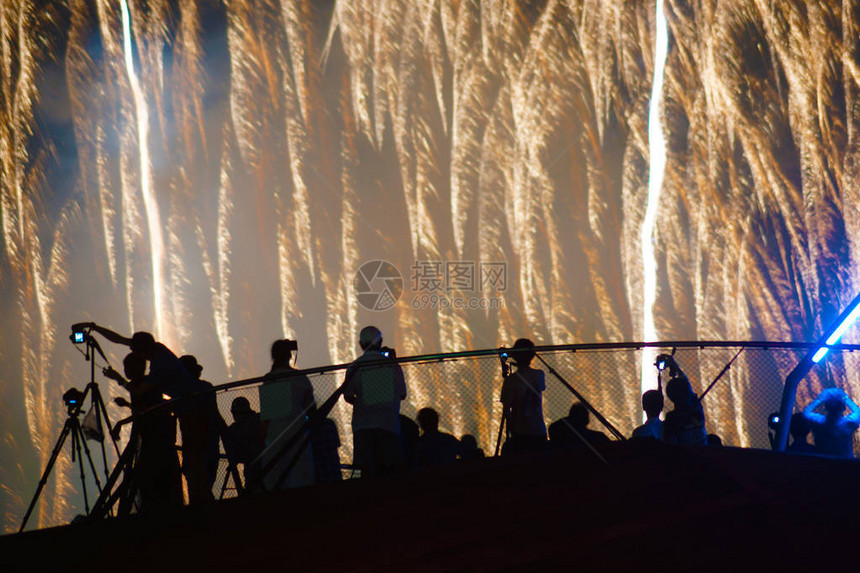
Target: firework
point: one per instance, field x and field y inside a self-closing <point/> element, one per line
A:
<point x="218" y="172"/>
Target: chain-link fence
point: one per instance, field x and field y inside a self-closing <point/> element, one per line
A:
<point x="742" y="383"/>
<point x="464" y="388"/>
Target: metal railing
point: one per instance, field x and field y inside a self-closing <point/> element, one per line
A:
<point x="745" y="381"/>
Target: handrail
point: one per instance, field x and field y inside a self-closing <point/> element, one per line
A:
<point x="582" y="347"/>
<point x="302" y="438"/>
<point x="452" y="356"/>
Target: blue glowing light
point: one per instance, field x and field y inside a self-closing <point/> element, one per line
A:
<point x="840" y="330"/>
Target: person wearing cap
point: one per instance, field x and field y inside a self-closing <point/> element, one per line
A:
<point x="522" y="402"/>
<point x="375" y="392"/>
<point x="201" y="426"/>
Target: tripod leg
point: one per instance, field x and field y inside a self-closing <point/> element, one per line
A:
<point x="501" y="433"/>
<point x="47" y="472"/>
<point x="104" y="504"/>
<point x="237" y="481"/>
<point x="97" y="404"/>
<point x="82" y="440"/>
<point x="97" y="398"/>
<point x="76" y="446"/>
<point x="232" y="473"/>
<point x="224" y="484"/>
<point x="127" y="492"/>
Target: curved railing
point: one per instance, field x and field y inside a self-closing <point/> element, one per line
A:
<point x="740" y="384"/>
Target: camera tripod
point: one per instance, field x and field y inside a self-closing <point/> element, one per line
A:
<point x="506" y="371"/>
<point x="91" y="428"/>
<point x="80" y="449"/>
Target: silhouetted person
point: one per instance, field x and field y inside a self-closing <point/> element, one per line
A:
<point x="563" y="432"/>
<point x="172" y="378"/>
<point x="469" y="449"/>
<point x="206" y="420"/>
<point x="799" y="429"/>
<point x="652" y="403"/>
<point x="156" y="469"/>
<point x="326" y="442"/>
<point x="833" y="432"/>
<point x="242" y="438"/>
<point x="685" y="424"/>
<point x="409" y="433"/>
<point x="286" y="401"/>
<point x="714" y="441"/>
<point x="522" y="402"/>
<point x="165" y="370"/>
<point x="435" y="448"/>
<point x="375" y="393"/>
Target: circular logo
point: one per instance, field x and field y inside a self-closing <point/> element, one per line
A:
<point x="378" y="285"/>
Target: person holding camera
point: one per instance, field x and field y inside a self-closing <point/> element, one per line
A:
<point x="833" y="432"/>
<point x="170" y="377"/>
<point x="375" y="392"/>
<point x="286" y="401"/>
<point x="522" y="402"/>
<point x="685" y="424"/>
<point x="165" y="369"/>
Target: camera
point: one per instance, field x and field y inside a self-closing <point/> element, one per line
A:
<point x="773" y="421"/>
<point x="388" y="352"/>
<point x="663" y="360"/>
<point x="292" y="345"/>
<point x="81" y="332"/>
<point x="73" y="398"/>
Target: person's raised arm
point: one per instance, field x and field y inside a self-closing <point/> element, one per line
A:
<point x="675" y="370"/>
<point x="809" y="412"/>
<point x="109" y="334"/>
<point x="118" y="426"/>
<point x="114" y="375"/>
<point x="853" y="415"/>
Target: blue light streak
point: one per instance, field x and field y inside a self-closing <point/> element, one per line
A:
<point x="837" y="334"/>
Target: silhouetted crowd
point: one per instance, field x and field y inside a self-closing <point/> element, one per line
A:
<point x="291" y="442"/>
<point x="286" y="444"/>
